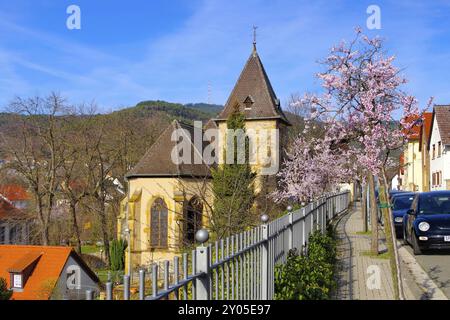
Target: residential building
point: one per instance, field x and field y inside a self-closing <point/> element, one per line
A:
<point x="45" y="272"/>
<point x="17" y="194"/>
<point x="425" y="130"/>
<point x="15" y="226"/>
<point x="439" y="148"/>
<point x="412" y="159"/>
<point x="168" y="202"/>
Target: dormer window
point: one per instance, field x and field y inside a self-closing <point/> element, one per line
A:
<point x="16" y="281"/>
<point x="248" y="102"/>
<point x="21" y="270"/>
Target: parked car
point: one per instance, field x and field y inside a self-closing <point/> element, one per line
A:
<point x="401" y="203"/>
<point x="427" y="223"/>
<point x="395" y="192"/>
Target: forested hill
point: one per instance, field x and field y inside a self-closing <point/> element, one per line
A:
<point x="187" y="112"/>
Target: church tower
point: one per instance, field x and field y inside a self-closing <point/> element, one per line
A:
<point x="254" y="96"/>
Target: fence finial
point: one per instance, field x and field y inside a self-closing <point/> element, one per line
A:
<point x="202" y="236"/>
<point x="289" y="208"/>
<point x="264" y="218"/>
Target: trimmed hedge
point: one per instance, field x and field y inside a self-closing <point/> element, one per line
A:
<point x="309" y="276"/>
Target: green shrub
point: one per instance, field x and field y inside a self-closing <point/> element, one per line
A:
<point x="117" y="251"/>
<point x="5" y="294"/>
<point x="310" y="276"/>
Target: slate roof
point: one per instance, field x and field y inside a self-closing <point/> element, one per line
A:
<point x="253" y="88"/>
<point x="442" y="115"/>
<point x="157" y="161"/>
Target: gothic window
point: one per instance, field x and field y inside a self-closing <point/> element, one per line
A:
<point x="158" y="224"/>
<point x="192" y="219"/>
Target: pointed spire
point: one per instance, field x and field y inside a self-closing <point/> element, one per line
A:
<point x="253" y="93"/>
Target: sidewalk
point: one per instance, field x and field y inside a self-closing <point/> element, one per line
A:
<point x="361" y="276"/>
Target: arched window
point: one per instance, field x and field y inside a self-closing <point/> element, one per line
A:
<point x="192" y="219"/>
<point x="158" y="224"/>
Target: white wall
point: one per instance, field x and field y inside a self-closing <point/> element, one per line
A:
<point x="441" y="163"/>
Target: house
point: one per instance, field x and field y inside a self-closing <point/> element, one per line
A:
<point x="439" y="148"/>
<point x="412" y="159"/>
<point x="17" y="194"/>
<point x="424" y="135"/>
<point x="168" y="202"/>
<point x="15" y="225"/>
<point x="45" y="272"/>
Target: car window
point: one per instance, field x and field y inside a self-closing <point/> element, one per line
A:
<point x="401" y="203"/>
<point x="434" y="204"/>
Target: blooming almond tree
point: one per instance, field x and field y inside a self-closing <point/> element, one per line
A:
<point x="358" y="109"/>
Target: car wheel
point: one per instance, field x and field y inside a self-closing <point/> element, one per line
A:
<point x="415" y="245"/>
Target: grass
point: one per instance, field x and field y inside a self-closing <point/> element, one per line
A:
<point x="364" y="233"/>
<point x="384" y="255"/>
<point x="89" y="249"/>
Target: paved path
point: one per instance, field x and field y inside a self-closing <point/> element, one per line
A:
<point x="360" y="276"/>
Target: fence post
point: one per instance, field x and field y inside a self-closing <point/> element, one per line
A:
<point x="89" y="295"/>
<point x="202" y="266"/>
<point x="323" y="219"/>
<point x="303" y="228"/>
<point x="290" y="229"/>
<point x="109" y="290"/>
<point x="265" y="262"/>
<point x="126" y="287"/>
<point x="141" y="284"/>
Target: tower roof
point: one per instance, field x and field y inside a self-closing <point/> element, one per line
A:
<point x="254" y="94"/>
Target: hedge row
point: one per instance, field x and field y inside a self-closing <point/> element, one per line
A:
<point x="308" y="276"/>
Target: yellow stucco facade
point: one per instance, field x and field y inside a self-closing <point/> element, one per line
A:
<point x="412" y="179"/>
<point x="143" y="192"/>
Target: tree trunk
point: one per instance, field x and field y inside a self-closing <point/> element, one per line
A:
<point x="373" y="214"/>
<point x="76" y="229"/>
<point x="364" y="207"/>
<point x="105" y="234"/>
<point x="390" y="237"/>
<point x="45" y="238"/>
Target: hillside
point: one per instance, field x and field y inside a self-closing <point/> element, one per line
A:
<point x="190" y="112"/>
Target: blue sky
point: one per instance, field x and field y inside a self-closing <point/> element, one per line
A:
<point x="128" y="51"/>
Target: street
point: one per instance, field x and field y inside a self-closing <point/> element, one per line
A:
<point x="437" y="265"/>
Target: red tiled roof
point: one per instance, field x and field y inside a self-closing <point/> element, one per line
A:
<point x="14" y="192"/>
<point x="414" y="132"/>
<point x="21" y="264"/>
<point x="7" y="209"/>
<point x="47" y="270"/>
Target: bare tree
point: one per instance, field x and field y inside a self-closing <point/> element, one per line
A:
<point x="35" y="151"/>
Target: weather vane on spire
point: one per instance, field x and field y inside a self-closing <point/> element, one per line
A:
<point x="254" y="38"/>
